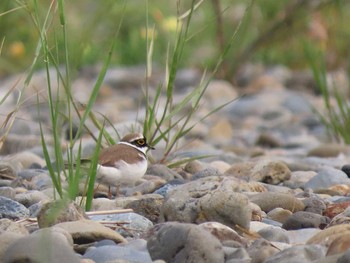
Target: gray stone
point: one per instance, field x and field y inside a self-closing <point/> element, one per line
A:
<point x="184" y="243"/>
<point x="270" y="172"/>
<point x="209" y="171"/>
<point x="261" y="250"/>
<point x="327" y="177"/>
<point x="87" y="231"/>
<point x="302" y="219"/>
<point x="7" y="192"/>
<point x="208" y="199"/>
<point x="345" y="258"/>
<point x="275" y="234"/>
<point x="31" y="197"/>
<point x="111" y="253"/>
<point x="12" y="209"/>
<point x="44" y="246"/>
<point x="7" y="225"/>
<point x="269" y="201"/>
<point x="148" y="206"/>
<point x="59" y="211"/>
<point x="134" y="225"/>
<point x="314" y="204"/>
<point x="163" y="172"/>
<point x="299" y="254"/>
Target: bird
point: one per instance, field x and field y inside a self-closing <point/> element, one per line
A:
<point x="123" y="163"/>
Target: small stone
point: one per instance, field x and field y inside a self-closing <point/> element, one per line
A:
<point x="26" y="159"/>
<point x="8" y="171"/>
<point x="221" y="131"/>
<point x="88" y="231"/>
<point x="275" y="234"/>
<point x="315" y="205"/>
<point x="146" y="187"/>
<point x="7" y="225"/>
<point x="134" y="225"/>
<point x="179" y="242"/>
<point x="209" y="171"/>
<point x="261" y="250"/>
<point x="31" y="197"/>
<point x="329" y="150"/>
<point x="221" y="166"/>
<point x="270" y="172"/>
<point x="7" y="192"/>
<point x="12" y="209"/>
<point x="148" y="206"/>
<point x="194" y="166"/>
<point x="267" y="140"/>
<point x="266" y="171"/>
<point x="303" y="254"/>
<point x="163" y="172"/>
<point x="55" y="212"/>
<point x="334" y="209"/>
<point x="269" y="201"/>
<point x="117" y="254"/>
<point x="327" y="177"/>
<point x="302" y="219"/>
<point x="279" y="214"/>
<point x="223" y="233"/>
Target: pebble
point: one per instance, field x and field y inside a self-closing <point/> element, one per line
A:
<point x="132" y="225"/>
<point x="303" y="253"/>
<point x="302" y="219"/>
<point x="268" y="201"/>
<point x="12" y="209"/>
<point x="327" y="177"/>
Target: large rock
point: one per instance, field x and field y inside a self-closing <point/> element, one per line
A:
<point x="208" y="199"/>
<point x="184" y="243"/>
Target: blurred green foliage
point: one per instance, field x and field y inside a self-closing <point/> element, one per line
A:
<point x="271" y="31"/>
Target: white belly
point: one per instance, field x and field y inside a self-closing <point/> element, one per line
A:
<point x="126" y="174"/>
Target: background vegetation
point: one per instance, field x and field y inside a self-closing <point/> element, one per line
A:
<point x="272" y="32"/>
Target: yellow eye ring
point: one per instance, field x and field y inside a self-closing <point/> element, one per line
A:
<point x="141" y="142"/>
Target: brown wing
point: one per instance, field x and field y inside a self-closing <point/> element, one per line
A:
<point x="112" y="154"/>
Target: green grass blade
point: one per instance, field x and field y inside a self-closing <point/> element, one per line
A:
<point x="92" y="173"/>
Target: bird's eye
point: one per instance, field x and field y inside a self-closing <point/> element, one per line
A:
<point x="141" y="142"/>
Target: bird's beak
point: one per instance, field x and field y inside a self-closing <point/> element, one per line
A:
<point x="150" y="147"/>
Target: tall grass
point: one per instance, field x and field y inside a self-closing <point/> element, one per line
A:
<point x="336" y="116"/>
<point x="176" y="121"/>
<point x="63" y="107"/>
